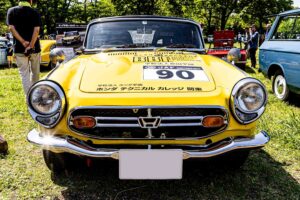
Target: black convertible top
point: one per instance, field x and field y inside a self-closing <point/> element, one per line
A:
<point x="130" y="17"/>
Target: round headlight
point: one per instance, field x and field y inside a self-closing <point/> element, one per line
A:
<point x="251" y="97"/>
<point x="248" y="100"/>
<point x="45" y="100"/>
<point x="46" y="103"/>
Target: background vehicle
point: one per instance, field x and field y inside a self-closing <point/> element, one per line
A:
<point x="279" y="55"/>
<point x="71" y="37"/>
<point x="223" y="42"/>
<point x="4" y="45"/>
<point x="46" y="47"/>
<point x="144" y="92"/>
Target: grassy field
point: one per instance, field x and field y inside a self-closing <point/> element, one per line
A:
<point x="270" y="173"/>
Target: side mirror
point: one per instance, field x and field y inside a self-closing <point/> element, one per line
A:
<point x="57" y="56"/>
<point x="79" y="50"/>
<point x="234" y="55"/>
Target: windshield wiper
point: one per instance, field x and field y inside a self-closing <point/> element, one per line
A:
<point x="133" y="46"/>
<point x="181" y="46"/>
<point x="177" y="47"/>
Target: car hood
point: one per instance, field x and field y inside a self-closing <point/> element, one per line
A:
<point x="138" y="72"/>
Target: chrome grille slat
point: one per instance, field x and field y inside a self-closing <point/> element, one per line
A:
<point x="118" y="118"/>
<point x="183" y="118"/>
<point x="180" y="124"/>
<point x="118" y="125"/>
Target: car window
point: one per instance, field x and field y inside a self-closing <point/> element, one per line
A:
<point x="288" y="28"/>
<point x="148" y="33"/>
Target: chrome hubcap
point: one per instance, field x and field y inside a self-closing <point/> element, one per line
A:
<point x="280" y="86"/>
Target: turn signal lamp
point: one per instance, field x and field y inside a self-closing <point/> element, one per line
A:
<point x="213" y="121"/>
<point x="84" y="122"/>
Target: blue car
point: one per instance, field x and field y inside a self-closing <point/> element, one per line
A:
<point x="279" y="55"/>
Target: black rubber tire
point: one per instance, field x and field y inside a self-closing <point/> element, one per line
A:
<point x="286" y="94"/>
<point x="233" y="160"/>
<point x="51" y="65"/>
<point x="58" y="163"/>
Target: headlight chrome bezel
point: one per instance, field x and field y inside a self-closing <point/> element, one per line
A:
<point x="36" y="114"/>
<point x="234" y="105"/>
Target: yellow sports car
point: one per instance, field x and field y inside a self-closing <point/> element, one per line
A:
<point x="46" y="47"/>
<point x="71" y="37"/>
<point x="144" y="92"/>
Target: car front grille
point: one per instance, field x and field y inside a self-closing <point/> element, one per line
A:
<point x="136" y="122"/>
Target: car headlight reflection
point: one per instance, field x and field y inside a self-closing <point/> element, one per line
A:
<point x="248" y="100"/>
<point x="46" y="102"/>
<point x="251" y="97"/>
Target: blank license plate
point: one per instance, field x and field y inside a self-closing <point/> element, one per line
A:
<point x="150" y="164"/>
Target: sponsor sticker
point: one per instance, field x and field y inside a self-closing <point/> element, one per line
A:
<point x="179" y="73"/>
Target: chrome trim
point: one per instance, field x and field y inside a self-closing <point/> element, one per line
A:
<point x="34" y="114"/>
<point x="234" y="106"/>
<point x="226" y="120"/>
<point x="58" y="144"/>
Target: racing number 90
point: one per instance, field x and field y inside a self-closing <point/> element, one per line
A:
<point x="167" y="74"/>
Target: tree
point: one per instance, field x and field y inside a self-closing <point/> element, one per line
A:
<point x="260" y="11"/>
<point x="135" y="7"/>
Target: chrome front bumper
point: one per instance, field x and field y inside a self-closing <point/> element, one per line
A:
<point x="57" y="144"/>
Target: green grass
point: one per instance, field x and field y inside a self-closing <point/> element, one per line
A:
<point x="270" y="173"/>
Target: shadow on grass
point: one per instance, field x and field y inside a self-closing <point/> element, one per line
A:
<point x="249" y="70"/>
<point x="294" y="100"/>
<point x="260" y="178"/>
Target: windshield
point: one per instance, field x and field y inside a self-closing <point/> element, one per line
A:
<point x="143" y="33"/>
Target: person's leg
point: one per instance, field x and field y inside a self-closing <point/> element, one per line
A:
<point x="9" y="59"/>
<point x="35" y="67"/>
<point x="24" y="70"/>
<point x="252" y="57"/>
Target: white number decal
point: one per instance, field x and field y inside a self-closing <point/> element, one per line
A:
<point x="174" y="73"/>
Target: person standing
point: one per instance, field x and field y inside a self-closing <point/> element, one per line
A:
<point x="239" y="39"/>
<point x="253" y="45"/>
<point x="24" y="23"/>
<point x="9" y="55"/>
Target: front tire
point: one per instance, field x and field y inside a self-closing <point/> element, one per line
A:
<point x="233" y="160"/>
<point x="279" y="86"/>
<point x="58" y="162"/>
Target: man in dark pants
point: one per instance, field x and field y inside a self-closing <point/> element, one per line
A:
<point x="24" y="22"/>
<point x="253" y="45"/>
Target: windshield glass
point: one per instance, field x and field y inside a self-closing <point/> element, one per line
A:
<point x="143" y="33"/>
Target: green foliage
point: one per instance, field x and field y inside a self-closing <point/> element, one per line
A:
<point x="260" y="12"/>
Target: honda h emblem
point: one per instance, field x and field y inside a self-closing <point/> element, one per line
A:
<point x="149" y="122"/>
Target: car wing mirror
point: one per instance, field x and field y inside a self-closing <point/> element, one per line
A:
<point x="57" y="56"/>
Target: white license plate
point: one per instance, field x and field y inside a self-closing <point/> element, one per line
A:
<point x="150" y="164"/>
